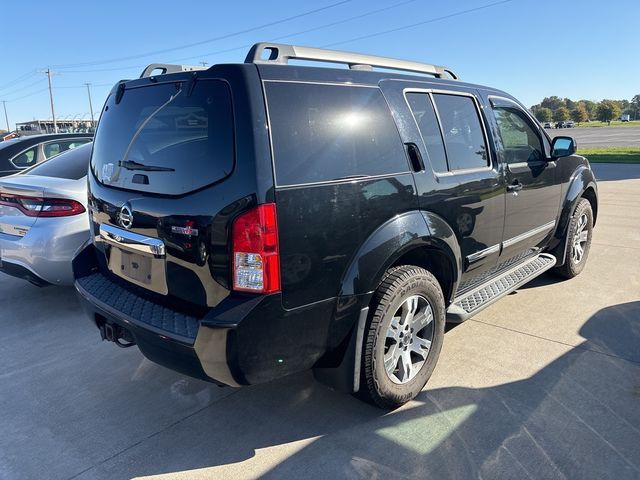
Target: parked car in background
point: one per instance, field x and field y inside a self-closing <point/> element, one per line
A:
<point x="43" y="219"/>
<point x="548" y="125"/>
<point x="569" y="124"/>
<point x="20" y="153"/>
<point x="625" y="118"/>
<point x="560" y="124"/>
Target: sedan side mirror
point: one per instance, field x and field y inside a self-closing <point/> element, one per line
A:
<point x="563" y="147"/>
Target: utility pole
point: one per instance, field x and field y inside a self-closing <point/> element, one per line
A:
<point x="203" y="63"/>
<point x="4" y="104"/>
<point x="48" y="73"/>
<point x="90" y="104"/>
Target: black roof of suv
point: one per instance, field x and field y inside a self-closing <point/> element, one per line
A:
<point x="258" y="219"/>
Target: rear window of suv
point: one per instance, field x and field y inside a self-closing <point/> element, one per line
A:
<point x="165" y="139"/>
<point x="331" y="132"/>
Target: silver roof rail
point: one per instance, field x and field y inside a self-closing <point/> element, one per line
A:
<point x="281" y="53"/>
<point x="169" y="68"/>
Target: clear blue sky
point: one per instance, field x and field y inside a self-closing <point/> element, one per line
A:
<point x="573" y="48"/>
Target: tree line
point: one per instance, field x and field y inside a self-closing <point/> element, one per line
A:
<point x="556" y="109"/>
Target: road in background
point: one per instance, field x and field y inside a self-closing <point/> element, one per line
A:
<point x="600" y="136"/>
<point x="543" y="384"/>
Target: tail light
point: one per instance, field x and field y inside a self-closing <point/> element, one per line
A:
<point x="43" y="207"/>
<point x="256" y="258"/>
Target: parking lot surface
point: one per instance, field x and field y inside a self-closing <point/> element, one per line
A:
<point x="543" y="384"/>
<point x="601" y="136"/>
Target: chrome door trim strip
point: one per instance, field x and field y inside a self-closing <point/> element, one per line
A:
<point x="131" y="240"/>
<point x="474" y="257"/>
<point x="523" y="236"/>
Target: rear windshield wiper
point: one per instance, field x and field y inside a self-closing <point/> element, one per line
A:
<point x="132" y="165"/>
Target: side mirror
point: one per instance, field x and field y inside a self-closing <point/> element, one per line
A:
<point x="563" y="147"/>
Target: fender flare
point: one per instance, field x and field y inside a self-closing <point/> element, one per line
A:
<point x="391" y="241"/>
<point x="581" y="180"/>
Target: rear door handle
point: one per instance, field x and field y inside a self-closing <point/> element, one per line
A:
<point x="415" y="157"/>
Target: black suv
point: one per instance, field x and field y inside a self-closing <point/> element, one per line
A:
<point x="254" y="220"/>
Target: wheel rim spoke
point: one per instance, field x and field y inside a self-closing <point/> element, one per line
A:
<point x="406" y="367"/>
<point x="422" y="319"/>
<point x="394" y="329"/>
<point x="421" y="347"/>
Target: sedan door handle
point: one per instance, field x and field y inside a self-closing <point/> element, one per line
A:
<point x="515" y="187"/>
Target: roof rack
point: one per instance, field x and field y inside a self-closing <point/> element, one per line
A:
<point x="281" y="53"/>
<point x="169" y="68"/>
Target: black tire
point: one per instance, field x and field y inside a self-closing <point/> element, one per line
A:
<point x="398" y="286"/>
<point x="571" y="267"/>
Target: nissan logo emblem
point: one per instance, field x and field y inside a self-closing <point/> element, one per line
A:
<point x="125" y="218"/>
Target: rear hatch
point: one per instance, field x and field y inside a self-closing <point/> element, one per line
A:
<point x="161" y="189"/>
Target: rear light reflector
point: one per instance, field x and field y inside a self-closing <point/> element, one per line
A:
<point x="43" y="207"/>
<point x="256" y="258"/>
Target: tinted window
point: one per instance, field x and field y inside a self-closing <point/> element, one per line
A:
<point x="427" y="121"/>
<point x="520" y="141"/>
<point x="463" y="134"/>
<point x="328" y="132"/>
<point x="187" y="139"/>
<point x="72" y="164"/>
<point x="25" y="159"/>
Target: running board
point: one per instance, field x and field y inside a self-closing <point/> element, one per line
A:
<point x="478" y="299"/>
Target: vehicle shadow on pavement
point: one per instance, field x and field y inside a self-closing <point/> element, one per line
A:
<point x="577" y="417"/>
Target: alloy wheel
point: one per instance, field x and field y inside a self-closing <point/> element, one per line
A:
<point x="408" y="339"/>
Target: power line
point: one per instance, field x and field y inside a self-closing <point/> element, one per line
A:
<point x="412" y="25"/>
<point x="23" y="88"/>
<point x="21" y="78"/>
<point x="210" y="40"/>
<point x="244" y="47"/>
<point x="28" y="95"/>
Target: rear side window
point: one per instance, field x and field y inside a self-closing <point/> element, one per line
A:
<point x="72" y="164"/>
<point x="165" y="139"/>
<point x="330" y="132"/>
<point x="463" y="134"/>
<point x="25" y="159"/>
<point x="425" y="116"/>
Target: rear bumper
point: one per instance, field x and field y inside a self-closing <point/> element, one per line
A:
<point x="46" y="251"/>
<point x="246" y="339"/>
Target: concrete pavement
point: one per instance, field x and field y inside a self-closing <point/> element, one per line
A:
<point x="543" y="384"/>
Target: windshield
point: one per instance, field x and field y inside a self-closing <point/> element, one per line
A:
<point x="161" y="139"/>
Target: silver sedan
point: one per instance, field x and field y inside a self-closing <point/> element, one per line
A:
<point x="43" y="218"/>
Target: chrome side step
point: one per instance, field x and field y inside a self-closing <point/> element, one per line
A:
<point x="476" y="300"/>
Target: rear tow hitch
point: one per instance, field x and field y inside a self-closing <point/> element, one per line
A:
<point x="116" y="334"/>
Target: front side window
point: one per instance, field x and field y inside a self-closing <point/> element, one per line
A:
<point x="26" y="159"/>
<point x="462" y="130"/>
<point x="331" y="132"/>
<point x="520" y="141"/>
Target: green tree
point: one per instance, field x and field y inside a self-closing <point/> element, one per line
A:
<point x="590" y="107"/>
<point x="635" y="106"/>
<point x="561" y="114"/>
<point x="553" y="103"/>
<point x="579" y="114"/>
<point x="543" y="114"/>
<point x="570" y="104"/>
<point x="608" y="110"/>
